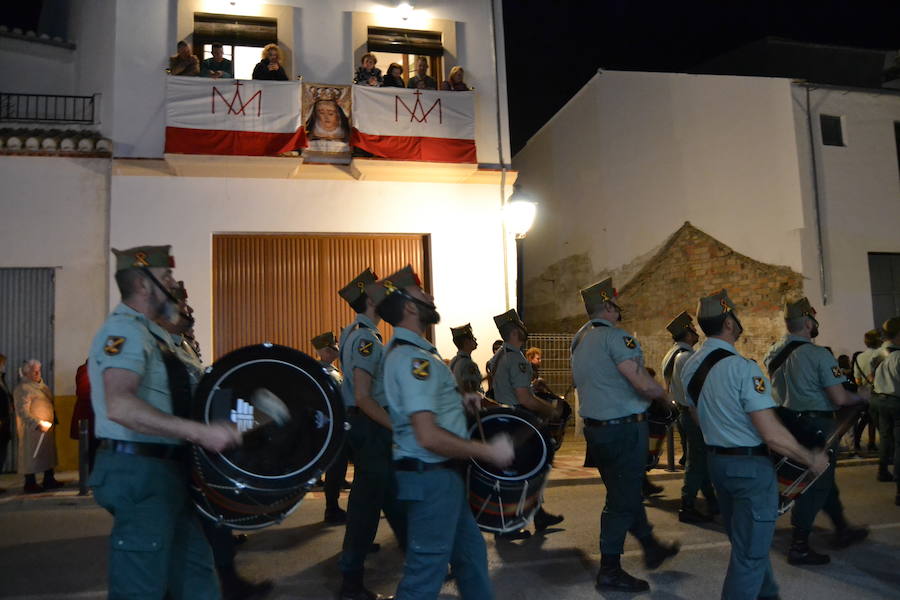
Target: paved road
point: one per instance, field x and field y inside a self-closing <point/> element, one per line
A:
<point x="55" y="548"/>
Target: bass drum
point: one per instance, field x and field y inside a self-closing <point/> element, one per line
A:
<point x="505" y="500"/>
<point x="794" y="478"/>
<point x="289" y="411"/>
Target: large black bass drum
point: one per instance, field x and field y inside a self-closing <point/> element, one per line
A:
<point x="793" y="477"/>
<point x="289" y="411"/>
<point x="504" y="500"/>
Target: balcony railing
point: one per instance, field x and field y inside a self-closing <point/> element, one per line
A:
<point x="46" y="108"/>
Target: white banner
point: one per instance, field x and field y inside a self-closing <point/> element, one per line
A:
<point x="414" y="113"/>
<point x="233" y="104"/>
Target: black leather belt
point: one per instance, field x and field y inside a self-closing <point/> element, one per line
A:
<point x="760" y="450"/>
<point x="165" y="451"/>
<point x="822" y="414"/>
<point x="416" y="465"/>
<point x="620" y="421"/>
<point x="352" y="411"/>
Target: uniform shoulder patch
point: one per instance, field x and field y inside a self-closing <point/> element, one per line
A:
<point x="365" y="347"/>
<point x="629" y="341"/>
<point x="836" y="371"/>
<point x="759" y="384"/>
<point x="522" y="367"/>
<point x="113" y="345"/>
<point x="421" y="368"/>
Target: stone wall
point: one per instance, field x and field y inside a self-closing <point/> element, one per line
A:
<point x="656" y="287"/>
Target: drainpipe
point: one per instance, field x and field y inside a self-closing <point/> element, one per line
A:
<point x="500" y="151"/>
<point x="816" y="200"/>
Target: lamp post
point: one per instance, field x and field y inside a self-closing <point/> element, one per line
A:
<point x="519" y="216"/>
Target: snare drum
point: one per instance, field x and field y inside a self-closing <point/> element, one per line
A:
<point x="659" y="420"/>
<point x="505" y="500"/>
<point x="262" y="481"/>
<point x="794" y="478"/>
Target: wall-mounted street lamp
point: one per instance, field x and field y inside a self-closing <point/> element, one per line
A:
<point x="518" y="216"/>
<point x="405" y="10"/>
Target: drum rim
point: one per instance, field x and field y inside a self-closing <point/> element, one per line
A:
<point x="331" y="414"/>
<point x="505" y="413"/>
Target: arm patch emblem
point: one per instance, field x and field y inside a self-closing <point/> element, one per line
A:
<point x="836" y="371"/>
<point x="365" y="347"/>
<point x="629" y="341"/>
<point x="113" y="345"/>
<point x="522" y="367"/>
<point x="759" y="384"/>
<point x="420" y="368"/>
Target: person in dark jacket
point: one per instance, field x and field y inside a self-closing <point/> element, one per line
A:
<point x="394" y="77"/>
<point x="271" y="66"/>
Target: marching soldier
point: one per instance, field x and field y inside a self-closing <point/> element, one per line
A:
<point x="696" y="472"/>
<point x="466" y="372"/>
<point x="512" y="386"/>
<point x="374" y="488"/>
<point x="430" y="437"/>
<point x="808" y="383"/>
<point x="326" y="347"/>
<point x="730" y="397"/>
<point x="156" y="544"/>
<point x="887" y="395"/>
<point x="615" y="390"/>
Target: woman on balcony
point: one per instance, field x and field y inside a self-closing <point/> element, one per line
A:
<point x="270" y="67"/>
<point x="455" y="82"/>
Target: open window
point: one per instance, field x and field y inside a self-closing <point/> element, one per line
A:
<point x="242" y="39"/>
<point x="403" y="46"/>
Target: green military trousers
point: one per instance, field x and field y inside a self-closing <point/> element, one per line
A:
<point x="696" y="471"/>
<point x="821" y="495"/>
<point x="156" y="545"/>
<point x="888" y="408"/>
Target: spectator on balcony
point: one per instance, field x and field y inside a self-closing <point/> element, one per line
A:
<point x="421" y="80"/>
<point x="367" y="73"/>
<point x="184" y="62"/>
<point x="218" y="67"/>
<point x="270" y="67"/>
<point x="394" y="77"/>
<point x="455" y="82"/>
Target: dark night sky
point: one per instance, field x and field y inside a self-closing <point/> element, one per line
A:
<point x="554" y="47"/>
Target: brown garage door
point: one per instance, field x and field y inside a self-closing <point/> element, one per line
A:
<point x="282" y="288"/>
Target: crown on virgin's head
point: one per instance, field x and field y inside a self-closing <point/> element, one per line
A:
<point x="325" y="93"/>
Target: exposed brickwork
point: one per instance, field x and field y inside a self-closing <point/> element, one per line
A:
<point x="691" y="264"/>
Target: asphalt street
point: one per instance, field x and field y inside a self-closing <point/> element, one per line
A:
<point x="55" y="547"/>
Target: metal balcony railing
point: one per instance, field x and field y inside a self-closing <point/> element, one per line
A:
<point x="46" y="108"/>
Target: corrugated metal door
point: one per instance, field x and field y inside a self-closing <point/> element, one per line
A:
<point x="26" y="325"/>
<point x="282" y="288"/>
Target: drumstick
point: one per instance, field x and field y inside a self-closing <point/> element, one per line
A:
<point x="267" y="402"/>
<point x="480" y="427"/>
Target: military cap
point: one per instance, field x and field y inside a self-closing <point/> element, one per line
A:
<point x="464" y="331"/>
<point x="680" y="324"/>
<point x="509" y="317"/>
<point x="872" y="338"/>
<point x="714" y="306"/>
<point x="798" y="308"/>
<point x="144" y="256"/>
<point x="356" y="288"/>
<point x="891" y="327"/>
<point x="397" y="282"/>
<point x="324" y="340"/>
<point x="602" y="291"/>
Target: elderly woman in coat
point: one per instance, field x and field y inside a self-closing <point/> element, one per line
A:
<point x="35" y="418"/>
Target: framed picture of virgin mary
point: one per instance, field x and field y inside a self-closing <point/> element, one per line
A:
<point x="326" y="113"/>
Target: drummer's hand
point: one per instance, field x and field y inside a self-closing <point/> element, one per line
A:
<point x="44" y="425"/>
<point x="500" y="450"/>
<point x="472" y="402"/>
<point x="218" y="436"/>
<point x="819" y="461"/>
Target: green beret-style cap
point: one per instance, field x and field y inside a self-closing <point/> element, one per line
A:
<point x="324" y="340"/>
<point x="465" y="331"/>
<point x="798" y="308"/>
<point x="680" y="324"/>
<point x="509" y="317"/>
<point x="600" y="292"/>
<point x="396" y="282"/>
<point x="144" y="256"/>
<point x="872" y="338"/>
<point x="356" y="288"/>
<point x="715" y="305"/>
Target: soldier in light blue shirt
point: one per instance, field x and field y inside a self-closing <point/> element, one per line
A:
<point x="696" y="472"/>
<point x="864" y="375"/>
<point x="156" y="544"/>
<point x="808" y="384"/>
<point x="886" y="390"/>
<point x="466" y="372"/>
<point x="369" y="439"/>
<point x="326" y="347"/>
<point x="614" y="390"/>
<point x="730" y="396"/>
<point x="430" y="431"/>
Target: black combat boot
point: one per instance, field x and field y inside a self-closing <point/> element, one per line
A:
<point x="649" y="488"/>
<point x="543" y="519"/>
<point x="353" y="589"/>
<point x="801" y="554"/>
<point x="884" y="474"/>
<point x="235" y="587"/>
<point x="612" y="576"/>
<point x="689" y="513"/>
<point x="656" y="553"/>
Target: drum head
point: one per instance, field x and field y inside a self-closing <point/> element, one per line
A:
<point x="247" y="387"/>
<point x="532" y="453"/>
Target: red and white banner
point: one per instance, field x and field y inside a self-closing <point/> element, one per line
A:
<point x="233" y="116"/>
<point x="409" y="124"/>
